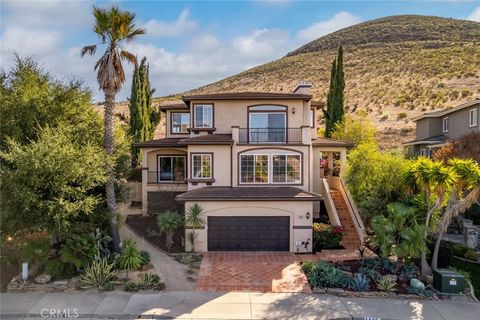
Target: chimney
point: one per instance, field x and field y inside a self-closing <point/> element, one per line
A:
<point x="303" y="88"/>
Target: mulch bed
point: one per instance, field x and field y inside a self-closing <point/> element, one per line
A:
<point x="147" y="227"/>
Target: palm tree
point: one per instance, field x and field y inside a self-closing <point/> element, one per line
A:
<point x="168" y="222"/>
<point x="464" y="193"/>
<point x="114" y="27"/>
<point x="432" y="179"/>
<point x="194" y="218"/>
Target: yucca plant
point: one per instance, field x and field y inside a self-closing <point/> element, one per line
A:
<point x="100" y="274"/>
<point x="386" y="284"/>
<point x="195" y="218"/>
<point x="130" y="258"/>
<point x="359" y="283"/>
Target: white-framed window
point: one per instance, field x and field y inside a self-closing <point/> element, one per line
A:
<point x="445" y="124"/>
<point x="202" y="166"/>
<point x="267" y="124"/>
<point x="270" y="169"/>
<point x="203" y="115"/>
<point x="171" y="168"/>
<point x="180" y="122"/>
<point x="473" y="117"/>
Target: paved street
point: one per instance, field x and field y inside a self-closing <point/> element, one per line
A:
<point x="234" y="305"/>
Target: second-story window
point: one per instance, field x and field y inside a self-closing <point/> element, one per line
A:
<point x="203" y="115"/>
<point x="445" y="124"/>
<point x="267" y="124"/>
<point x="202" y="166"/>
<point x="180" y="122"/>
<point x="473" y="117"/>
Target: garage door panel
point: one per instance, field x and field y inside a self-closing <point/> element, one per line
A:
<point x="249" y="233"/>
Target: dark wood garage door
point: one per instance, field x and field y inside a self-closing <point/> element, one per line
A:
<point x="248" y="233"/>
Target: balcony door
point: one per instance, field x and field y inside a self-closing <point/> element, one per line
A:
<point x="267" y="124"/>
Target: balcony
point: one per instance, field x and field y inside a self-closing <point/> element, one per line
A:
<point x="270" y="135"/>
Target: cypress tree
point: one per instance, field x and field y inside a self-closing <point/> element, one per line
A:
<point x="144" y="117"/>
<point x="335" y="97"/>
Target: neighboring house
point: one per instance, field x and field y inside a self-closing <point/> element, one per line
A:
<point x="253" y="162"/>
<point x="435" y="129"/>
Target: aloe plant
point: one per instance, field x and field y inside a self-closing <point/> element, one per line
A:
<point x="386" y="284"/>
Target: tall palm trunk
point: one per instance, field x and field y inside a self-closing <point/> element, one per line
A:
<point x="425" y="268"/>
<point x="109" y="145"/>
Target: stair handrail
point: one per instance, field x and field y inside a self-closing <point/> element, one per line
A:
<point x="328" y="201"/>
<point x="353" y="210"/>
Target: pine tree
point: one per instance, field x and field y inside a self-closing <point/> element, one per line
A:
<point x="144" y="117"/>
<point x="335" y="97"/>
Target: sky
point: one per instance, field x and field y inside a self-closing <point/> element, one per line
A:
<point x="191" y="43"/>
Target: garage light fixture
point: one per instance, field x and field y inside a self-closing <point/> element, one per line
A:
<point x="307" y="215"/>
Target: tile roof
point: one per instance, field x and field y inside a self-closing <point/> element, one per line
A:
<point x="174" y="106"/>
<point x="327" y="142"/>
<point x="247" y="96"/>
<point x="249" y="194"/>
<point x="440" y="113"/>
<point x="430" y="140"/>
<point x="166" y="142"/>
<point x="215" y="138"/>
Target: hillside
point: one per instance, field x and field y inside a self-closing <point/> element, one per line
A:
<point x="395" y="68"/>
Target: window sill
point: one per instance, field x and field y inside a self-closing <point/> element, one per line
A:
<point x="197" y="130"/>
<point x="197" y="181"/>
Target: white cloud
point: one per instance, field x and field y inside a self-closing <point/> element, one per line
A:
<point x="28" y="41"/>
<point x="262" y="43"/>
<point x="475" y="15"/>
<point x="162" y="29"/>
<point x="340" y="20"/>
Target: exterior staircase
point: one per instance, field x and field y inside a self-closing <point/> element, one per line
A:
<point x="350" y="239"/>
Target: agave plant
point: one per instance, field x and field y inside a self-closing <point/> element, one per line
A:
<point x="386" y="284"/>
<point x="150" y="281"/>
<point x="130" y="258"/>
<point x="100" y="274"/>
<point x="360" y="282"/>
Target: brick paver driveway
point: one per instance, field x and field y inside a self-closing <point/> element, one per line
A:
<point x="251" y="271"/>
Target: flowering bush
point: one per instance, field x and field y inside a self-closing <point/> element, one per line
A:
<point x="326" y="236"/>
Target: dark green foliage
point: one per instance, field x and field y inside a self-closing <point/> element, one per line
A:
<point x="387" y="265"/>
<point x="307" y="267"/>
<point x="459" y="250"/>
<point x="359" y="283"/>
<point x="79" y="250"/>
<point x="444" y="253"/>
<point x="471" y="254"/>
<point x="408" y="272"/>
<point x="36" y="251"/>
<point x="150" y="281"/>
<point x="145" y="257"/>
<point x="326" y="236"/>
<point x="473" y="269"/>
<point x="371" y="273"/>
<point x="130" y="287"/>
<point x="144" y="118"/>
<point x="370" y="263"/>
<point x="168" y="222"/>
<point x="335" y="97"/>
<point x="102" y="244"/>
<point x="59" y="269"/>
<point x="473" y="213"/>
<point x="426" y="293"/>
<point x="130" y="258"/>
<point x="325" y="275"/>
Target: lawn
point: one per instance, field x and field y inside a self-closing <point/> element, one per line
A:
<point x="473" y="269"/>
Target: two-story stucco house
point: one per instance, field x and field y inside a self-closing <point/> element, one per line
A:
<point x="253" y="162"/>
<point x="435" y="129"/>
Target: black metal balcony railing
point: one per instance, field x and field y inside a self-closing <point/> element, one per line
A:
<point x="165" y="177"/>
<point x="270" y="135"/>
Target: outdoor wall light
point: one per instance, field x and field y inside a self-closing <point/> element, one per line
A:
<point x="307" y="215"/>
<point x="293" y="110"/>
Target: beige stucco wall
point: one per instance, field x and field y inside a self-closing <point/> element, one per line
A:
<point x="296" y="210"/>
<point x="221" y="164"/>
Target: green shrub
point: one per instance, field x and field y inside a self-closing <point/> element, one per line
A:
<point x="326" y="236"/>
<point x="408" y="272"/>
<point x="370" y="263"/>
<point x="150" y="281"/>
<point x="130" y="258"/>
<point x="79" y="250"/>
<point x="471" y="254"/>
<point x="359" y="283"/>
<point x="145" y="256"/>
<point x="325" y="275"/>
<point x="307" y="267"/>
<point x="59" y="269"/>
<point x="36" y="251"/>
<point x="459" y="250"/>
<point x="130" y="287"/>
<point x="100" y="274"/>
<point x="371" y="273"/>
<point x="387" y="265"/>
<point x="386" y="284"/>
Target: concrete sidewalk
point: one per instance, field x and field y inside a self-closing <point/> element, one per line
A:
<point x="233" y="305"/>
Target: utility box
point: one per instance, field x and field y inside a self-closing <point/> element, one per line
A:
<point x="448" y="281"/>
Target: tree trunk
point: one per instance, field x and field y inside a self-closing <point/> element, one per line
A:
<point x="436" y="250"/>
<point x="193" y="242"/>
<point x="425" y="268"/>
<point x="109" y="146"/>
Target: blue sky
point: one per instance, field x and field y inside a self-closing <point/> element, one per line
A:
<point x="193" y="43"/>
